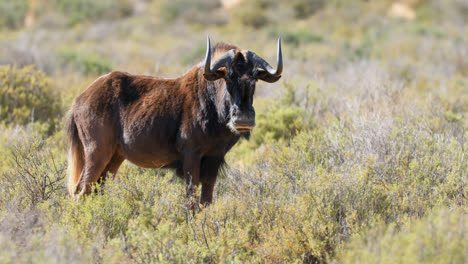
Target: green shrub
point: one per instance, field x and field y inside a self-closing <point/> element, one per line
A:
<point x="36" y="173"/>
<point x="12" y="13"/>
<point x="440" y="237"/>
<point x="201" y="12"/>
<point x="130" y="212"/>
<point x="300" y="37"/>
<point x="277" y="122"/>
<point x="89" y="10"/>
<point x="84" y="63"/>
<point x="280" y="119"/>
<point x="27" y="96"/>
<point x="26" y="237"/>
<point x="253" y="13"/>
<point x="305" y="8"/>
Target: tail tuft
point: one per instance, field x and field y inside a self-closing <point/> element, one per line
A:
<point x="75" y="156"/>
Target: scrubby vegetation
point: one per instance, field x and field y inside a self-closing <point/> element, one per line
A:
<point x="359" y="154"/>
<point x="27" y="96"/>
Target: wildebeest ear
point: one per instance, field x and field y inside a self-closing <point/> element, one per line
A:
<point x="267" y="77"/>
<point x="218" y="74"/>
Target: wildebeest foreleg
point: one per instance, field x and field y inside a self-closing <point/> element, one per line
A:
<point x="208" y="174"/>
<point x="192" y="176"/>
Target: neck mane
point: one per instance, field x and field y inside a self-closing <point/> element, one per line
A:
<point x="213" y="95"/>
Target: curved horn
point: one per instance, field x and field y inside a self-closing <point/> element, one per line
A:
<point x="274" y="74"/>
<point x="223" y="61"/>
<point x="208" y="55"/>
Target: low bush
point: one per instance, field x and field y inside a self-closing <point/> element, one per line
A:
<point x="280" y="119"/>
<point x="305" y="8"/>
<point x="277" y="122"/>
<point x="440" y="237"/>
<point x="26" y="237"/>
<point x="252" y="13"/>
<point x="301" y="37"/>
<point x="35" y="174"/>
<point x="13" y="13"/>
<point x="203" y="12"/>
<point x="84" y="63"/>
<point x="28" y="96"/>
<point x="88" y="10"/>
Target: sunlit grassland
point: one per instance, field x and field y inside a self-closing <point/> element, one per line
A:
<point x="359" y="154"/>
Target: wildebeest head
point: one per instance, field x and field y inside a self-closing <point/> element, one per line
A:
<point x="241" y="70"/>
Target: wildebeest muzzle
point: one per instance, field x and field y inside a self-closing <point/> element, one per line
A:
<point x="242" y="120"/>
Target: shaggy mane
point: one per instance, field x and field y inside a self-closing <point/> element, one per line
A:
<point x="221" y="48"/>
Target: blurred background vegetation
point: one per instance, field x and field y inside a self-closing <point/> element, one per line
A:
<point x="359" y="154"/>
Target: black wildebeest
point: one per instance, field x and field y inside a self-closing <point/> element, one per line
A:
<point x="188" y="123"/>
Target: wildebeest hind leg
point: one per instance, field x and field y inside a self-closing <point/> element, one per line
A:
<point x="95" y="163"/>
<point x="112" y="167"/>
